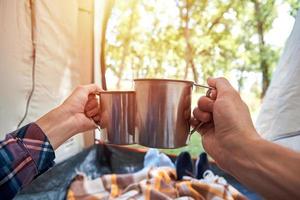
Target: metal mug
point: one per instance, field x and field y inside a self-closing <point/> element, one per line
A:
<point x="163" y="112"/>
<point x="117" y="111"/>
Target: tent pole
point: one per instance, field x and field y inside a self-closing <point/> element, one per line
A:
<point x="33" y="26"/>
<point x="107" y="12"/>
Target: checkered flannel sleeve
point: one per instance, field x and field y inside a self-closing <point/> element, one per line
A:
<point x="24" y="154"/>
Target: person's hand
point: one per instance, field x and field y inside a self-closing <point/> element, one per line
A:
<point x="227" y="120"/>
<point x="82" y="107"/>
<point x="78" y="113"/>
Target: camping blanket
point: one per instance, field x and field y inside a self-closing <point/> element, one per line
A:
<point x="151" y="183"/>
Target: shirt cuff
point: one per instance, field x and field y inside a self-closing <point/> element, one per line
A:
<point x="38" y="146"/>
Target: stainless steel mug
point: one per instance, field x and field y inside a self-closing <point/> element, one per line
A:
<point x="117" y="111"/>
<point x="163" y="111"/>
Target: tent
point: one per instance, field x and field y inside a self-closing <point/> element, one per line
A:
<point x="47" y="48"/>
<point x="279" y="117"/>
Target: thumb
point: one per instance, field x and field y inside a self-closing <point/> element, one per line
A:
<point x="93" y="88"/>
<point x="221" y="84"/>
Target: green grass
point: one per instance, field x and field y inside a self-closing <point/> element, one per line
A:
<point x="194" y="147"/>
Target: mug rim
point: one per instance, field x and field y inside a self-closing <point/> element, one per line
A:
<point x="116" y="91"/>
<point x="163" y="79"/>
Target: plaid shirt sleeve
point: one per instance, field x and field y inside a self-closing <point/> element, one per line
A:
<point x="24" y="154"/>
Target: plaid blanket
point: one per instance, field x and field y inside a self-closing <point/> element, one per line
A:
<point x="151" y="183"/>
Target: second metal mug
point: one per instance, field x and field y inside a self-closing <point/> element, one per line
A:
<point x="163" y="109"/>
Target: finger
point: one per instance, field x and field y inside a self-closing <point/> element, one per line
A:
<point x="221" y="84"/>
<point x="92" y="96"/>
<point x="194" y="122"/>
<point x="93" y="88"/>
<point x="205" y="104"/>
<point x="187" y="102"/>
<point x="201" y="115"/>
<point x="218" y="83"/>
<point x="97" y="118"/>
<point x="103" y="121"/>
<point x="92" y="103"/>
<point x="213" y="94"/>
<point x="187" y="113"/>
<point x="91" y="113"/>
<point x="205" y="128"/>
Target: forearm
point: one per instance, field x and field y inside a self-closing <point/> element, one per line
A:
<point x="57" y="126"/>
<point x="271" y="170"/>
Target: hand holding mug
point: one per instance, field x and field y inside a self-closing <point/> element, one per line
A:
<point x="226" y="116"/>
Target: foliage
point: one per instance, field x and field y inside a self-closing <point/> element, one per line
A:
<point x="193" y="39"/>
<point x="190" y="39"/>
<point x="295" y="5"/>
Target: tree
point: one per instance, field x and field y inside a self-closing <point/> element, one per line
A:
<point x="295" y="6"/>
<point x="254" y="54"/>
<point x="128" y="35"/>
<point x="191" y="39"/>
<point x="264" y="16"/>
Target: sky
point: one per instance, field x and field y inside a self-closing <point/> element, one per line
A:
<point x="282" y="26"/>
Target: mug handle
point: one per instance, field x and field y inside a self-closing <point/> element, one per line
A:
<point x="103" y="137"/>
<point x="98" y="95"/>
<point x="208" y="94"/>
<point x="207" y="87"/>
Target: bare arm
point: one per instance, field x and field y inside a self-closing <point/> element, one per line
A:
<point x="231" y="139"/>
<point x="267" y="168"/>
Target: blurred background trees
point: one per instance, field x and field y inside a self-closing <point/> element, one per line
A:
<point x="193" y="39"/>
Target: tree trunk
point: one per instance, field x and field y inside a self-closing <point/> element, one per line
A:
<point x="194" y="69"/>
<point x="264" y="67"/>
<point x="241" y="79"/>
<point x="186" y="19"/>
<point x="126" y="43"/>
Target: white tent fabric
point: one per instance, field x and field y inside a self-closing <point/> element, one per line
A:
<point x="16" y="56"/>
<point x="279" y="117"/>
<point x="56" y="75"/>
<point x="55" y="61"/>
